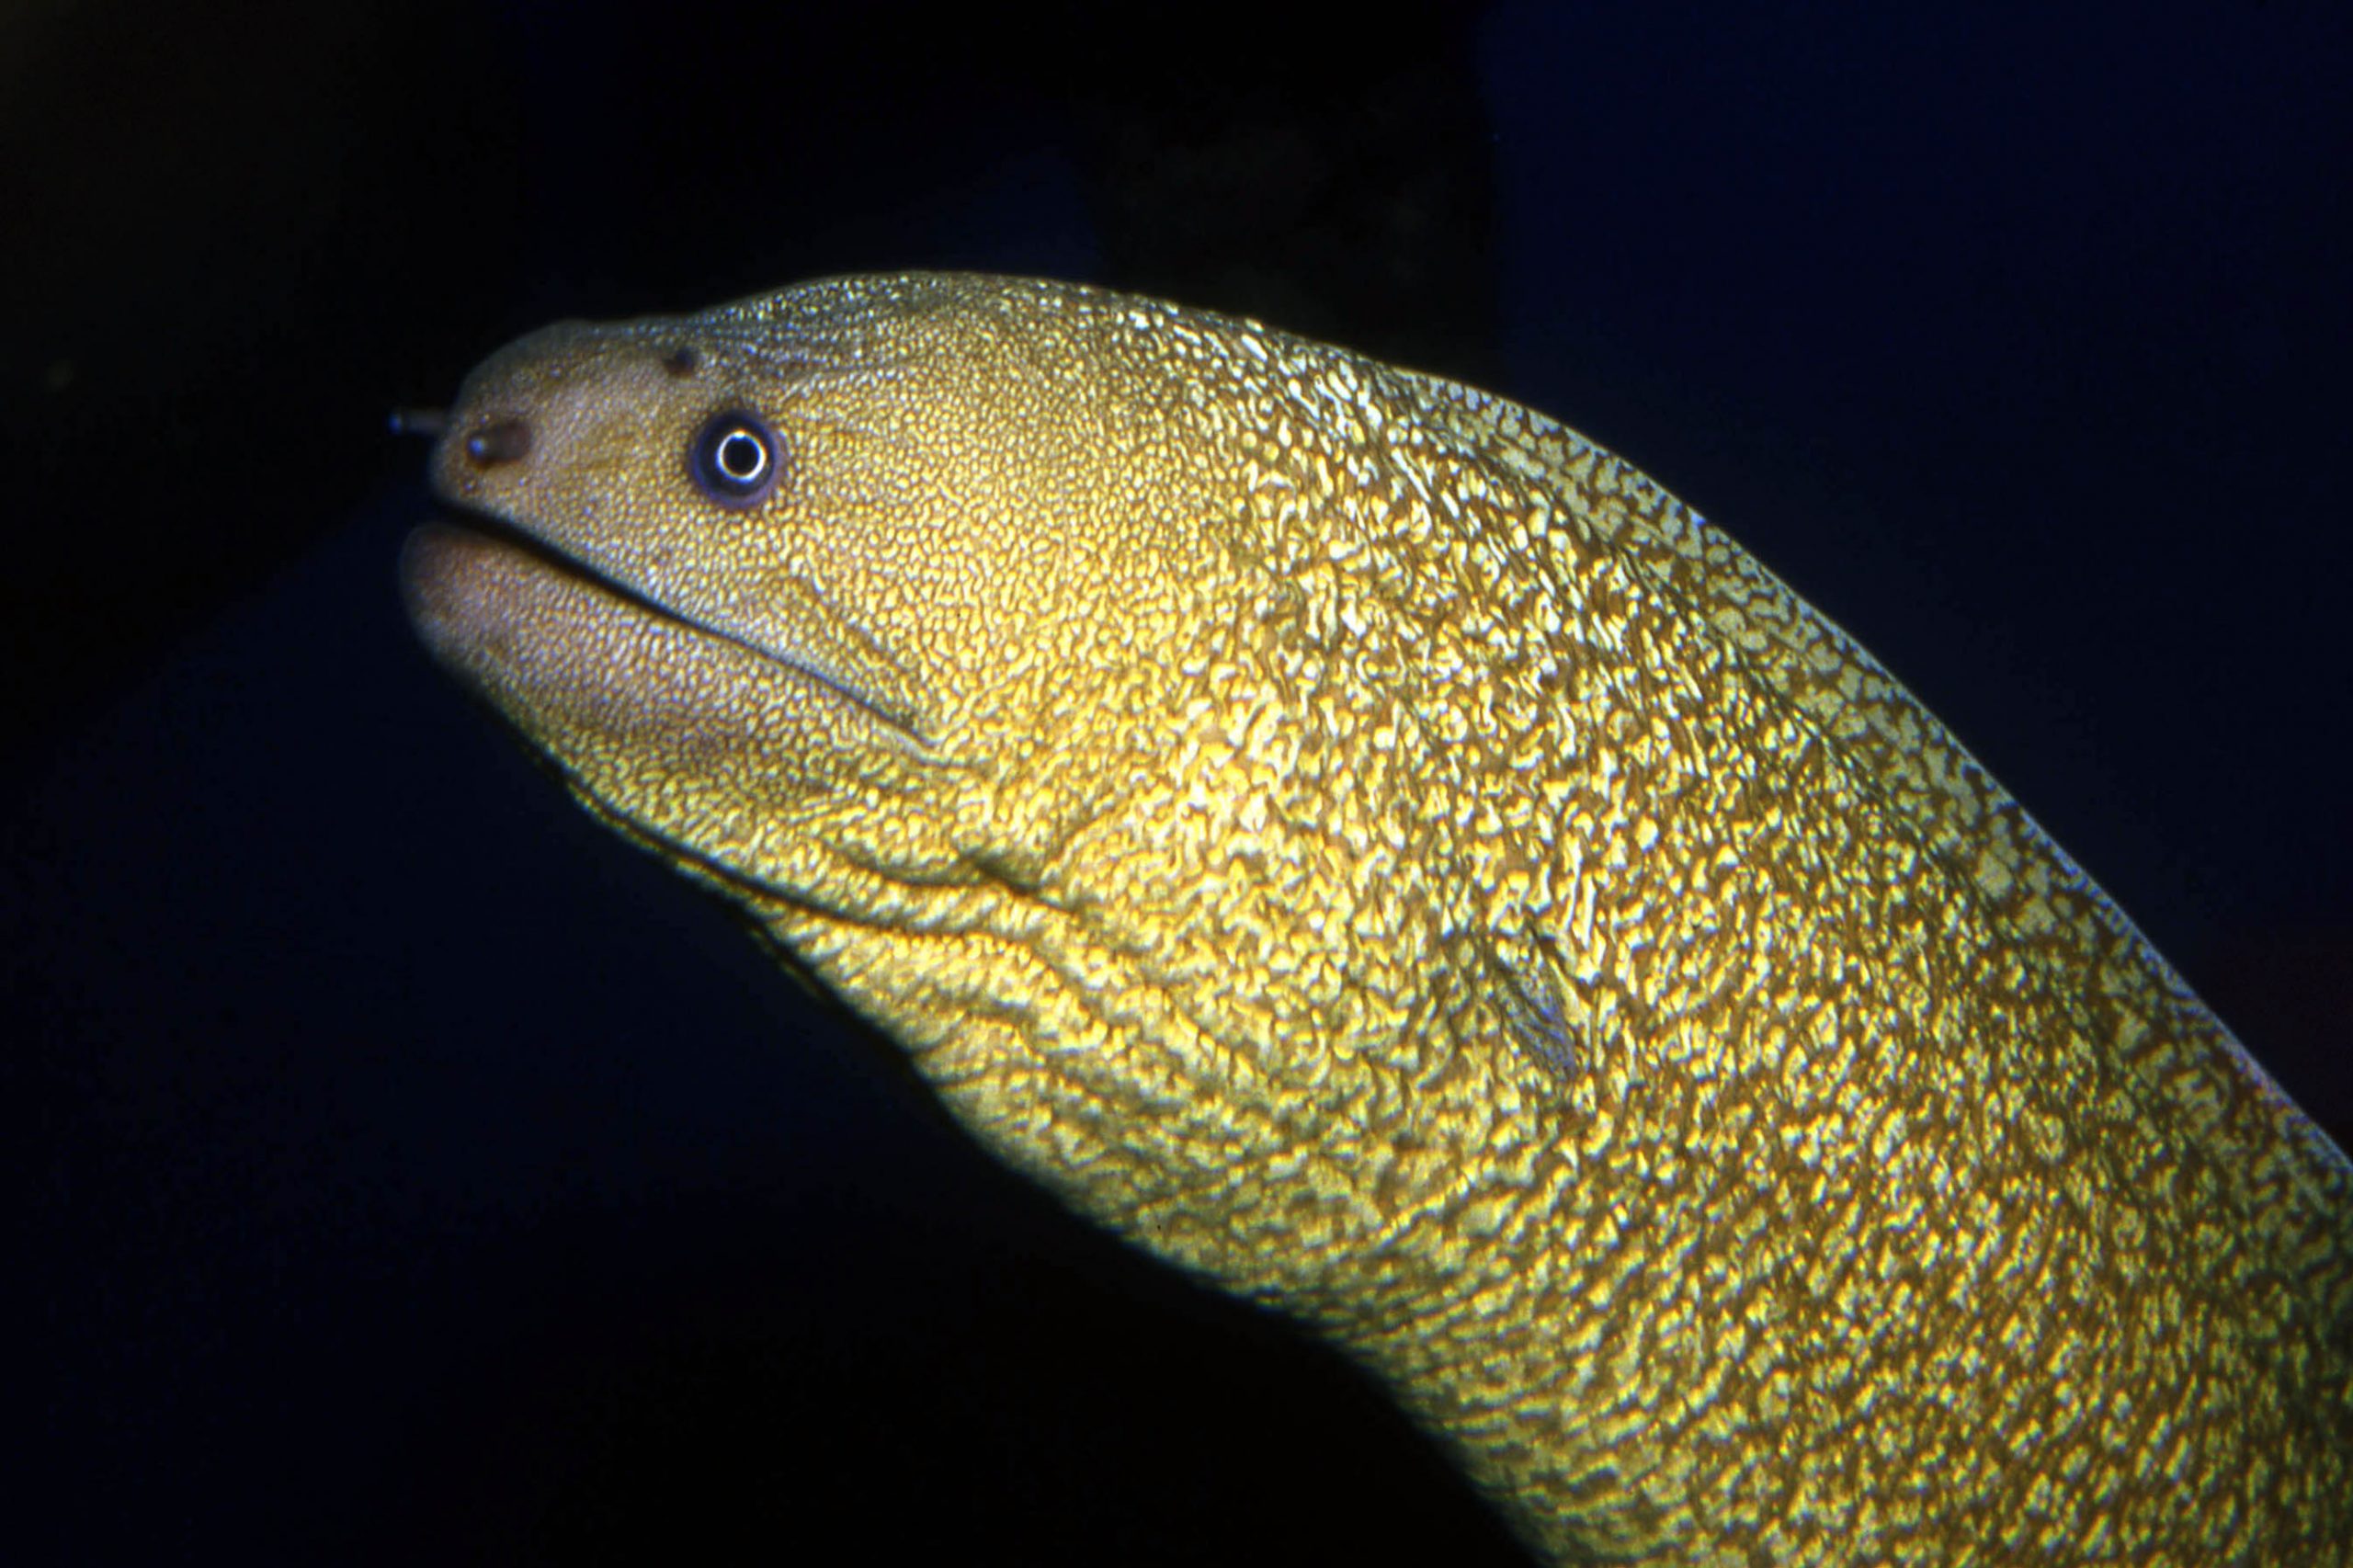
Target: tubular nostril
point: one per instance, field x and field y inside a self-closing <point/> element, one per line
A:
<point x="500" y="441"/>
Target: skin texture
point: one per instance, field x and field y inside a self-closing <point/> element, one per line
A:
<point x="1365" y="844"/>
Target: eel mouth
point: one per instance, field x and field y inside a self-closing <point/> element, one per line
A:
<point x="453" y="565"/>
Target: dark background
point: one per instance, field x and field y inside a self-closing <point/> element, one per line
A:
<point x="400" y="1168"/>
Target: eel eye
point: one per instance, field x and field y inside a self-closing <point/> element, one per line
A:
<point x="733" y="458"/>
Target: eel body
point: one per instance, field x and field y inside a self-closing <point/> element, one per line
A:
<point x="1365" y="844"/>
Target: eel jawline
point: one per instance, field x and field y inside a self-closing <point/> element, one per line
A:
<point x="462" y="578"/>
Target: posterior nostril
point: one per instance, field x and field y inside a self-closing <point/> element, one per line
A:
<point x="500" y="441"/>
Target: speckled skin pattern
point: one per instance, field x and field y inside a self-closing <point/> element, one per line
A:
<point x="1365" y="844"/>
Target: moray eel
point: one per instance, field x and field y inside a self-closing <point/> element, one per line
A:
<point x="1367" y="844"/>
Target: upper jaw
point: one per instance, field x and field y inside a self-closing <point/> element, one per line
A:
<point x="483" y="445"/>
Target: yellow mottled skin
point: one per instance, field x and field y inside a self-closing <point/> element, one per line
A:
<point x="1362" y="842"/>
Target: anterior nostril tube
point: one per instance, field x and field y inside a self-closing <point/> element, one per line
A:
<point x="500" y="441"/>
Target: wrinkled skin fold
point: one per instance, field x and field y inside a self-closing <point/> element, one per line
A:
<point x="1368" y="845"/>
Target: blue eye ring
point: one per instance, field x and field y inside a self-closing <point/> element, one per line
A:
<point x="734" y="458"/>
